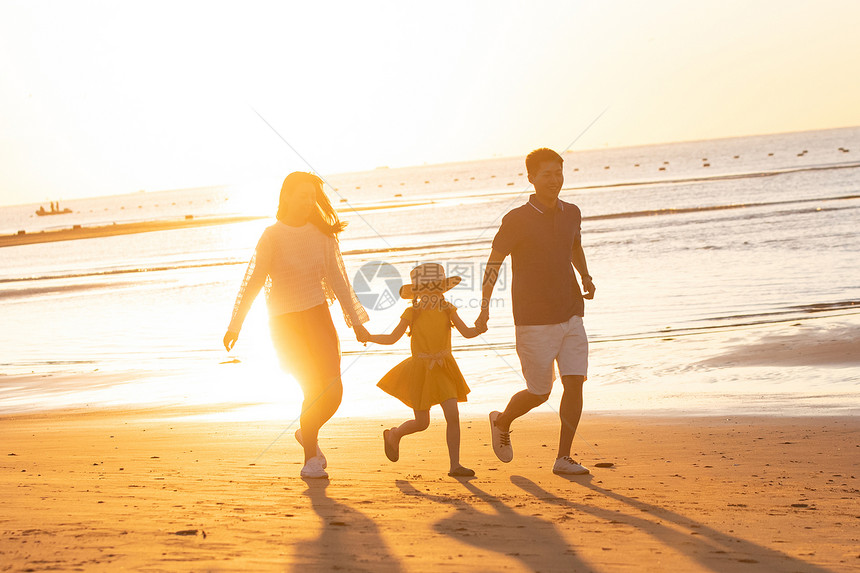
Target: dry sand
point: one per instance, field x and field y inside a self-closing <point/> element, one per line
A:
<point x="143" y="490"/>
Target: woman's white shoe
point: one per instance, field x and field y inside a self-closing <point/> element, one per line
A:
<point x="314" y="468"/>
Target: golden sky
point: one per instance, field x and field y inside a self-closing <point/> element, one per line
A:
<point x="112" y="97"/>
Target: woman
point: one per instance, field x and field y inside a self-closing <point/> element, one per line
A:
<point x="299" y="262"/>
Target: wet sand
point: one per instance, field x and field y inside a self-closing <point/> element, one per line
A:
<point x="96" y="231"/>
<point x="836" y="346"/>
<point x="157" y="490"/>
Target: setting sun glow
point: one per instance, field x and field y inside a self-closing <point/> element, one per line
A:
<point x="106" y="98"/>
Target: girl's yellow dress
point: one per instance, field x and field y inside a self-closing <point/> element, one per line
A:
<point x="430" y="376"/>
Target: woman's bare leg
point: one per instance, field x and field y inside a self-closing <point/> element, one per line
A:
<point x="319" y="376"/>
<point x="320" y="404"/>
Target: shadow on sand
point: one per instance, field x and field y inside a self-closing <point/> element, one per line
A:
<point x="348" y="540"/>
<point x="713" y="550"/>
<point x="503" y="530"/>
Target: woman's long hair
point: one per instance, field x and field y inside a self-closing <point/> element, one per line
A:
<point x="323" y="216"/>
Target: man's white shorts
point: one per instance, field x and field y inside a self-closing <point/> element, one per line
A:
<point x="540" y="346"/>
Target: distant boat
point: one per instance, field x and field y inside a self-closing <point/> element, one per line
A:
<point x="54" y="211"/>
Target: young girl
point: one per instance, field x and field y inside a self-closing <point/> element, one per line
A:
<point x="430" y="376"/>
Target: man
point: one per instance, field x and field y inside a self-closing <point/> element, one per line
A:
<point x="543" y="238"/>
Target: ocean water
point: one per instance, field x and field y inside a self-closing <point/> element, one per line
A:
<point x="696" y="248"/>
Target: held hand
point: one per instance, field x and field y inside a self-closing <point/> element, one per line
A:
<point x="589" y="287"/>
<point x="230" y="340"/>
<point x="361" y="333"/>
<point x="481" y="322"/>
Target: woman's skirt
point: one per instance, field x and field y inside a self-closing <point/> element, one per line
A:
<point x="307" y="345"/>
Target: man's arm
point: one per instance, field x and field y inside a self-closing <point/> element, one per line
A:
<point x="577" y="257"/>
<point x="491" y="274"/>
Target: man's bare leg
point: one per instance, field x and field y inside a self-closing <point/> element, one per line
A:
<point x="521" y="403"/>
<point x="570" y="411"/>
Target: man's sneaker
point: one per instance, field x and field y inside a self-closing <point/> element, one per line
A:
<point x="314" y="468"/>
<point x="501" y="440"/>
<point x="566" y="466"/>
<point x="319" y="451"/>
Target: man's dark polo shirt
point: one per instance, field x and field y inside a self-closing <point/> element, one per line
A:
<point x="540" y="242"/>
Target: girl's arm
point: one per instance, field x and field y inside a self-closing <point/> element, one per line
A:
<point x="391" y="338"/>
<point x="466" y="331"/>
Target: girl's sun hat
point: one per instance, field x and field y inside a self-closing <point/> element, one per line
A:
<point x="428" y="278"/>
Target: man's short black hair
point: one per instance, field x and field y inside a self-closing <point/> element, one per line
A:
<point x="538" y="156"/>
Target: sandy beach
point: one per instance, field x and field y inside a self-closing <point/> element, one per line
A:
<point x="76" y="231"/>
<point x="96" y="231"/>
<point x="157" y="490"/>
<point x="184" y="185"/>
